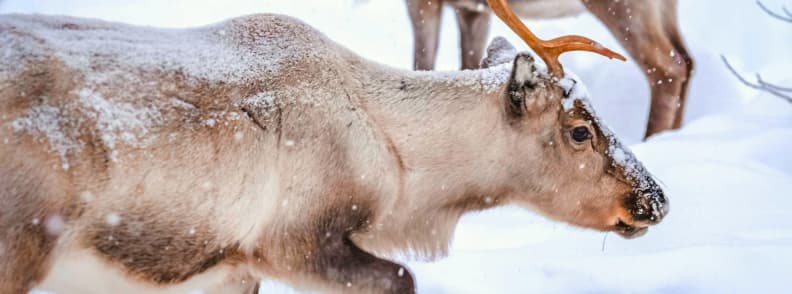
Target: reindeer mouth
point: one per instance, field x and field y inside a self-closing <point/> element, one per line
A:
<point x="629" y="231"/>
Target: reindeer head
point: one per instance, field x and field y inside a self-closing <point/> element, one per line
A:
<point x="580" y="173"/>
<point x="585" y="176"/>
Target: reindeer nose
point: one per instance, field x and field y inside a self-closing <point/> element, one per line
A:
<point x="649" y="205"/>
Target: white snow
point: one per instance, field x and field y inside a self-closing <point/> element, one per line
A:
<point x="238" y="136"/>
<point x="499" y="51"/>
<point x="114" y="123"/>
<point x="200" y="53"/>
<point x="574" y="90"/>
<point x="48" y="121"/>
<point x="727" y="173"/>
<point x="119" y="121"/>
<point x="211" y="122"/>
<point x="86" y="196"/>
<point x="113" y="219"/>
<point x="54" y="224"/>
<point x="262" y="100"/>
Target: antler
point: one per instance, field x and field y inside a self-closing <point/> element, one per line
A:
<point x="548" y="50"/>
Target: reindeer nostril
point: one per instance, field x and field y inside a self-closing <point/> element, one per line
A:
<point x="648" y="206"/>
<point x="658" y="207"/>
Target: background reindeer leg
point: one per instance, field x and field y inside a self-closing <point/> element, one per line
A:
<point x="473" y="30"/>
<point x="425" y="17"/>
<point x="649" y="32"/>
<point x="671" y="26"/>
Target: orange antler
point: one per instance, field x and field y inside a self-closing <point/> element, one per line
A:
<point x="548" y="50"/>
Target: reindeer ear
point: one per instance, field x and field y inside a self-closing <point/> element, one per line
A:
<point x="522" y="82"/>
<point x="499" y="51"/>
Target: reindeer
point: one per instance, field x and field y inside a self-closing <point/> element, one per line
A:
<point x="142" y="160"/>
<point x="647" y="29"/>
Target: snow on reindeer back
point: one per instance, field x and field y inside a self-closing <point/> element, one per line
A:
<point x="487" y="80"/>
<point x="211" y="53"/>
<point x="120" y="90"/>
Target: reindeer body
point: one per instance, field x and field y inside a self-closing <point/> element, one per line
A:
<point x="167" y="161"/>
<point x="175" y="153"/>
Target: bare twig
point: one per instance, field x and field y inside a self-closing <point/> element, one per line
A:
<point x="760" y="84"/>
<point x="734" y="72"/>
<point x="787" y="18"/>
<point x="769" y="85"/>
<point x="603" y="241"/>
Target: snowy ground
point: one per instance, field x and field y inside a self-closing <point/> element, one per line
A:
<point x="727" y="173"/>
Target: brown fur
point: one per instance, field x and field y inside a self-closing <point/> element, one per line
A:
<point x="347" y="163"/>
<point x="647" y="29"/>
<point x="157" y="251"/>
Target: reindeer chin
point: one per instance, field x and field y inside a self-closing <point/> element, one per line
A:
<point x="629" y="231"/>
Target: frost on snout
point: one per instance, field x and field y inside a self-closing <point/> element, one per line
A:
<point x="645" y="204"/>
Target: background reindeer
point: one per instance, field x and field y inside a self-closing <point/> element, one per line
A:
<point x="647" y="29"/>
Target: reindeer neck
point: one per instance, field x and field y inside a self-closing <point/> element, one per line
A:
<point x="438" y="121"/>
<point x="447" y="130"/>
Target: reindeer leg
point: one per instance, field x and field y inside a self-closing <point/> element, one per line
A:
<point x="320" y="255"/>
<point x="332" y="263"/>
<point x="425" y="17"/>
<point x="25" y="247"/>
<point x="473" y="31"/>
<point x="643" y="28"/>
<point x="341" y="263"/>
<point x="337" y="265"/>
<point x="671" y="25"/>
<point x="23" y="259"/>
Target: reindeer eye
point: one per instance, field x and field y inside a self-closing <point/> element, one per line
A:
<point x="580" y="134"/>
